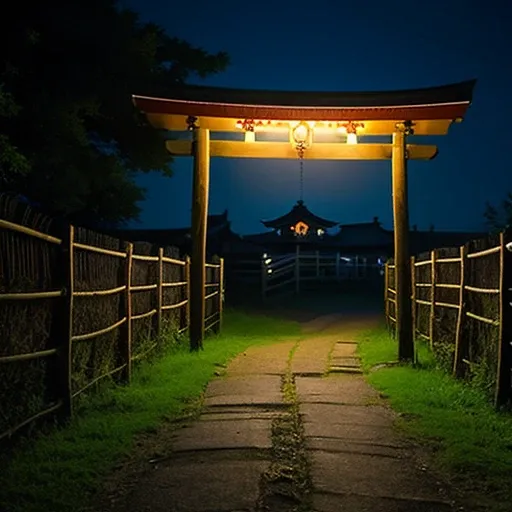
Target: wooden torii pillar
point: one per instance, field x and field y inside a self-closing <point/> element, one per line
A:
<point x="403" y="312"/>
<point x="200" y="193"/>
<point x="396" y="114"/>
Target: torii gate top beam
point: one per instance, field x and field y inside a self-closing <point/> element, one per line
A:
<point x="431" y="110"/>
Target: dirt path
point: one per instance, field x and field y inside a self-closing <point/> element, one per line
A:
<point x="289" y="426"/>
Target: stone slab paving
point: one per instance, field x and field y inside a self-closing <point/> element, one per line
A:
<point x="224" y="434"/>
<point x="249" y="390"/>
<point x="216" y="463"/>
<point x="355" y="502"/>
<point x="358" y="460"/>
<point x="198" y="485"/>
<point x="337" y="389"/>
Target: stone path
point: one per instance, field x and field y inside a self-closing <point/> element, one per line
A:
<point x="357" y="461"/>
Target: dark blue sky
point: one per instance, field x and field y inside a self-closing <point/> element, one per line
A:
<point x="333" y="45"/>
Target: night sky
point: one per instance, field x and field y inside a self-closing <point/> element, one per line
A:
<point x="350" y="46"/>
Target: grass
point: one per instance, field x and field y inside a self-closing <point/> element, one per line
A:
<point x="471" y="442"/>
<point x="60" y="470"/>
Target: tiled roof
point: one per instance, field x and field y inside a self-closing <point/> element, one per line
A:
<point x="299" y="213"/>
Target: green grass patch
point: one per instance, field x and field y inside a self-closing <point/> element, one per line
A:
<point x="58" y="471"/>
<point x="470" y="441"/>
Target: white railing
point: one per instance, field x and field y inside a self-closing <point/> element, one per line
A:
<point x="287" y="272"/>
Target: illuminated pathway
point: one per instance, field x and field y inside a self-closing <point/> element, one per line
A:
<point x="289" y="425"/>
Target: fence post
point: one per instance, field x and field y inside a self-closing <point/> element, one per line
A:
<point x="432" y="297"/>
<point x="64" y="322"/>
<point x="186" y="316"/>
<point x="159" y="293"/>
<point x="458" y="367"/>
<point x="413" y="298"/>
<point x="126" y="308"/>
<point x="386" y="285"/>
<point x="220" y="297"/>
<point x="503" y="392"/>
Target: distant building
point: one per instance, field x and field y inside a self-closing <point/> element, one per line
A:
<point x="299" y="227"/>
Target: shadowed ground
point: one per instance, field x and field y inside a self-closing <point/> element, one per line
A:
<point x="291" y="426"/>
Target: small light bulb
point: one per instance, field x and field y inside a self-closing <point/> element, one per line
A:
<point x="250" y="136"/>
<point x="351" y="138"/>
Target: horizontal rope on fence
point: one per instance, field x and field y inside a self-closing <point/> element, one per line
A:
<point x="30" y="232"/>
<point x="31" y="295"/>
<point x="215" y="322"/>
<point x="173" y="261"/>
<point x="143" y="287"/>
<point x="481" y="290"/>
<point x="145" y="353"/>
<point x="97" y="379"/>
<point x="446" y="305"/>
<point x="88" y="336"/>
<point x="174" y="306"/>
<point x="212" y="265"/>
<point x="482" y="319"/>
<point x="391" y="290"/>
<point x="448" y="285"/>
<point x="28" y="356"/>
<point x="99" y="250"/>
<point x="423" y="285"/>
<point x="144" y="315"/>
<point x="448" y="260"/>
<point x="421" y="263"/>
<point x="209" y="285"/>
<point x="142" y="257"/>
<point x="210" y="295"/>
<point x="40" y="414"/>
<point x="486" y="252"/>
<point x="100" y="293"/>
<point x="421" y="335"/>
<point x="169" y="285"/>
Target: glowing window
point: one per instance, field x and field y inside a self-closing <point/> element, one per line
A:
<point x="301" y="228"/>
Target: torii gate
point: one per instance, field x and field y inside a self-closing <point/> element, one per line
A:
<point x="398" y="114"/>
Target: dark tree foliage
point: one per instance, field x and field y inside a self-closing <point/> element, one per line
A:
<point x="499" y="217"/>
<point x="71" y="140"/>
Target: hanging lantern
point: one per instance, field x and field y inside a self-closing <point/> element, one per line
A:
<point x="301" y="135"/>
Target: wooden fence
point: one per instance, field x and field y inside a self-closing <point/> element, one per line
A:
<point x="79" y="308"/>
<point x="461" y="304"/>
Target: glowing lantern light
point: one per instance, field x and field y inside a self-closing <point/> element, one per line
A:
<point x="351" y="138"/>
<point x="301" y="133"/>
<point x="250" y="136"/>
